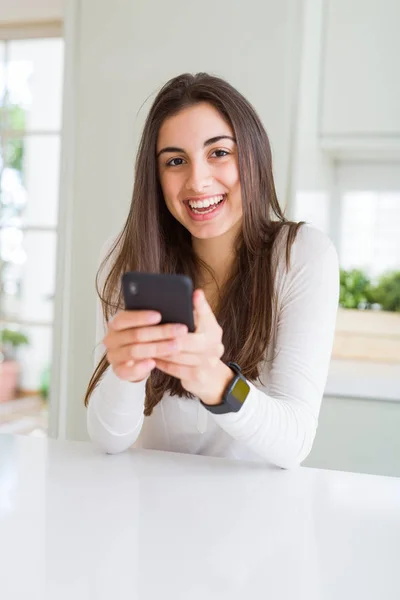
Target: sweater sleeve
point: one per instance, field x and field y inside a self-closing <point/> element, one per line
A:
<point x="115" y="411"/>
<point x="280" y="426"/>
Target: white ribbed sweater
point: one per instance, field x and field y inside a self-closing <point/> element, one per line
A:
<point x="278" y="421"/>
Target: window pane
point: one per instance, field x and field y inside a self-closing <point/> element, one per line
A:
<point x="29" y="183"/>
<point x="2" y="75"/>
<point x="39" y="276"/>
<point x="370" y="233"/>
<point x="28" y="274"/>
<point x="12" y="258"/>
<point x="35" y="358"/>
<point x="35" y="76"/>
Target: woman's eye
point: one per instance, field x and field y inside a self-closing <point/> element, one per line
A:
<point x="220" y="153"/>
<point x="175" y="162"/>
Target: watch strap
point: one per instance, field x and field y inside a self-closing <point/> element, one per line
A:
<point x="225" y="406"/>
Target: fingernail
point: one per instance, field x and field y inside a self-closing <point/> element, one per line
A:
<point x="129" y="363"/>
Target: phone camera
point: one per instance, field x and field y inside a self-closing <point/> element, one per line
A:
<point x="133" y="288"/>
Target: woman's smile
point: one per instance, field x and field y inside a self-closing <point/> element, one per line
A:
<point x="205" y="208"/>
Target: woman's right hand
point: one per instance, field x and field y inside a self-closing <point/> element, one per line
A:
<point x="134" y="340"/>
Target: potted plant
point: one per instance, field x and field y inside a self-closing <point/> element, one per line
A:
<point x="10" y="341"/>
<point x="387" y="292"/>
<point x="355" y="289"/>
<point x="368" y="322"/>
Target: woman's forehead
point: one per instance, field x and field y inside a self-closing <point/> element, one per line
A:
<point x="193" y="126"/>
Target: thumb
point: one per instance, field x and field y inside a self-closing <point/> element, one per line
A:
<point x="203" y="315"/>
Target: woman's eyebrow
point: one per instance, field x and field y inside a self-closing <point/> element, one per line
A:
<point x="170" y="149"/>
<point x="216" y="139"/>
<point x="213" y="140"/>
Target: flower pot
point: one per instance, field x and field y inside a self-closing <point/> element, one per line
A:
<point x="372" y="335"/>
<point x="9" y="376"/>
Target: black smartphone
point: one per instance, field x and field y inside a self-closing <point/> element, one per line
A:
<point x="170" y="295"/>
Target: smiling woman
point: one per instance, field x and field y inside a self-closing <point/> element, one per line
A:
<point x="248" y="382"/>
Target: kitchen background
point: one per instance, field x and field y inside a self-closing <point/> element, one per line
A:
<point x="73" y="77"/>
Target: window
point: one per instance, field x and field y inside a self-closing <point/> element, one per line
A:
<point x="361" y="214"/>
<point x="360" y="211"/>
<point x="31" y="75"/>
<point x="369" y="216"/>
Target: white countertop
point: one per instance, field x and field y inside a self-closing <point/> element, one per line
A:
<point x="144" y="525"/>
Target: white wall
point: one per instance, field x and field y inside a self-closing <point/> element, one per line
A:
<point x="312" y="170"/>
<point x="118" y="54"/>
<point x="28" y="11"/>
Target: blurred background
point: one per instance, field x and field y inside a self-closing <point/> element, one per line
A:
<point x="76" y="80"/>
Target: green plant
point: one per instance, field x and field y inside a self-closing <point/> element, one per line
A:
<point x="387" y="291"/>
<point x="13" y="117"/>
<point x="10" y="340"/>
<point x="355" y="289"/>
<point x="45" y="383"/>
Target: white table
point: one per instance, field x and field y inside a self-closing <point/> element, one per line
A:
<point x="79" y="525"/>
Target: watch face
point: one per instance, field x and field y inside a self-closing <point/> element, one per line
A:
<point x="240" y="390"/>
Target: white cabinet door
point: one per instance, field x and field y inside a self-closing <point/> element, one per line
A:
<point x="360" y="73"/>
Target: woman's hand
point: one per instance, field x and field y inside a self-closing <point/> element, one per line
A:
<point x="198" y="363"/>
<point x="134" y="340"/>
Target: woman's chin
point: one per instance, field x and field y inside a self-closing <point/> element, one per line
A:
<point x="209" y="231"/>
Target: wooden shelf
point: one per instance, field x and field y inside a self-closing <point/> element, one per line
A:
<point x="367" y="335"/>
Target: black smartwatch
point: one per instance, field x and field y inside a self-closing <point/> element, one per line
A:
<point x="234" y="396"/>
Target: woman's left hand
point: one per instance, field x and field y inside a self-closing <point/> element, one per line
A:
<point x="196" y="359"/>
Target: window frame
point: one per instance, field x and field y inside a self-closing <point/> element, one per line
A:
<point x="8" y="34"/>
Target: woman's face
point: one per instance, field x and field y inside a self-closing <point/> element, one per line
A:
<point x="199" y="172"/>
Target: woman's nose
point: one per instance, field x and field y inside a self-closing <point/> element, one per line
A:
<point x="200" y="177"/>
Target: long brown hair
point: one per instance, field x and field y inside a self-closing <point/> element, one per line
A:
<point x="153" y="241"/>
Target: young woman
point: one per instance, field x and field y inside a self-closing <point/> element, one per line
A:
<point x="204" y="204"/>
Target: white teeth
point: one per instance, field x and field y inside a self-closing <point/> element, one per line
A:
<point x="206" y="203"/>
